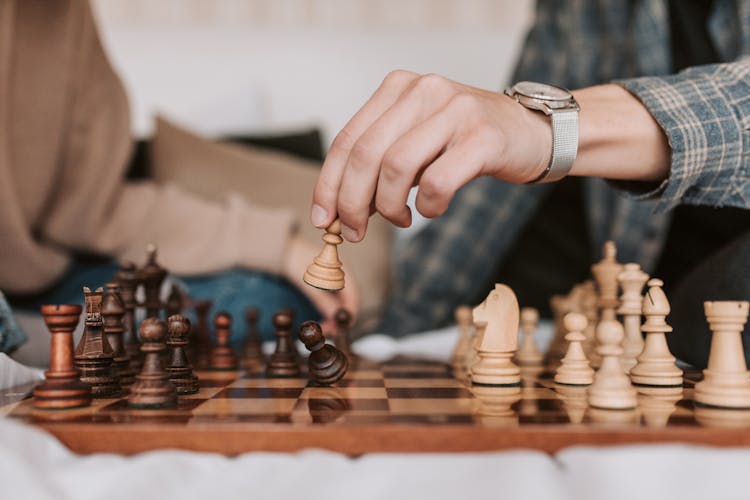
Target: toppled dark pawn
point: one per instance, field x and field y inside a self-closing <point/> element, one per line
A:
<point x="152" y="388"/>
<point x="326" y="363"/>
<point x="252" y="350"/>
<point x="113" y="312"/>
<point x="179" y="369"/>
<point x="222" y="355"/>
<point x="93" y="356"/>
<point x="283" y="361"/>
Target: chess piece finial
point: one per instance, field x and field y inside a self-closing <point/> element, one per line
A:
<point x="327" y="364"/>
<point x="180" y="372"/>
<point x="656" y="365"/>
<point x="497" y="318"/>
<point x="529" y="354"/>
<point x="725" y="382"/>
<point x="93" y="356"/>
<point x="222" y="355"/>
<point x="113" y="312"/>
<point x="631" y="281"/>
<point x="283" y="362"/>
<point x="325" y="272"/>
<point x="152" y="276"/>
<point x="152" y="388"/>
<point x="575" y="368"/>
<point x="61" y="388"/>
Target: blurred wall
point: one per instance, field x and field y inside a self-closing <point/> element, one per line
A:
<point x="237" y="66"/>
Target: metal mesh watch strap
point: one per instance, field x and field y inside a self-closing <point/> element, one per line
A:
<point x="564" y="145"/>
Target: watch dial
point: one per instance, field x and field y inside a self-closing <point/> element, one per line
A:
<point x="542" y="91"/>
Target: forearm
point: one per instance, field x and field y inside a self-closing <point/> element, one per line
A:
<point x="618" y="137"/>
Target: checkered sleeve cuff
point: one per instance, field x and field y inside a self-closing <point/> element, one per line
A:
<point x="704" y="112"/>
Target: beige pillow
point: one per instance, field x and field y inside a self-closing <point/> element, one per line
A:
<point x="211" y="169"/>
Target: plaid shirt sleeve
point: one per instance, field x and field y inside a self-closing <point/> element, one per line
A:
<point x="705" y="114"/>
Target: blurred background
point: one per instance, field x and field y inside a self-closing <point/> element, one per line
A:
<point x="239" y="67"/>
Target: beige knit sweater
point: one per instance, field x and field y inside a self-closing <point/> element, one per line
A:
<point x="64" y="146"/>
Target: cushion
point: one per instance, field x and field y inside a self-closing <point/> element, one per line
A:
<point x="211" y="169"/>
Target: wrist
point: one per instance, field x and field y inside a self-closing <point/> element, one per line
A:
<point x="618" y="137"/>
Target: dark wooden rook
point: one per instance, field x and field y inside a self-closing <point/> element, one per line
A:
<point x="61" y="388"/>
<point x="222" y="355"/>
<point x="152" y="276"/>
<point x="152" y="388"/>
<point x="326" y="363"/>
<point x="127" y="280"/>
<point x="283" y="362"/>
<point x="94" y="356"/>
<point x="179" y="369"/>
<point x="113" y="312"/>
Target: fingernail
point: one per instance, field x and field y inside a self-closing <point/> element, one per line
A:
<point x="348" y="233"/>
<point x="318" y="216"/>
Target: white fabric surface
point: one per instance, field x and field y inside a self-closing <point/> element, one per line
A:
<point x="34" y="465"/>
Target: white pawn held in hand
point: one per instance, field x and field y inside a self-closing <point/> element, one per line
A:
<point x="529" y="353"/>
<point x="725" y="382"/>
<point x="656" y="365"/>
<point x="497" y="320"/>
<point x="575" y="368"/>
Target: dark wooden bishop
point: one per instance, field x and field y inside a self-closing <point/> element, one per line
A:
<point x="200" y="341"/>
<point x="94" y="356"/>
<point x="127" y="280"/>
<point x="152" y="276"/>
<point x="283" y="362"/>
<point x="152" y="388"/>
<point x="175" y="301"/>
<point x="222" y="355"/>
<point x="326" y="363"/>
<point x="252" y="350"/>
<point x="113" y="312"/>
<point x="343" y="340"/>
<point x="179" y="369"/>
<point x="61" y="388"/>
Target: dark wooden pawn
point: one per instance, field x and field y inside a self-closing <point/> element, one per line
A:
<point x="179" y="369"/>
<point x="113" y="312"/>
<point x="283" y="362"/>
<point x="152" y="275"/>
<point x="127" y="280"/>
<point x="343" y="340"/>
<point x="152" y="388"/>
<point x="222" y="355"/>
<point x="94" y="356"/>
<point x="252" y="350"/>
<point x="326" y="363"/>
<point x="199" y="347"/>
<point x="61" y="388"/>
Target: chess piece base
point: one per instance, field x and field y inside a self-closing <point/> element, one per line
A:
<point x="723" y="390"/>
<point x="62" y="393"/>
<point x="154" y="393"/>
<point x="222" y="358"/>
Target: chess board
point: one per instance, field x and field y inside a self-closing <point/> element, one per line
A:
<point x="402" y="405"/>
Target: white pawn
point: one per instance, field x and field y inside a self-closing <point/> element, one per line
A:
<point x="611" y="389"/>
<point x="497" y="318"/>
<point x="463" y="348"/>
<point x="656" y="365"/>
<point x="725" y="382"/>
<point x="528" y="353"/>
<point x="575" y="368"/>
<point x="631" y="282"/>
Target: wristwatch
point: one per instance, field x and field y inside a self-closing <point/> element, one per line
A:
<point x="562" y="108"/>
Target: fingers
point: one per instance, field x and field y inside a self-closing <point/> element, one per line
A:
<point x="441" y="179"/>
<point x="363" y="168"/>
<point x="325" y="195"/>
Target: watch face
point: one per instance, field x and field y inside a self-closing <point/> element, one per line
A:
<point x="542" y="91"/>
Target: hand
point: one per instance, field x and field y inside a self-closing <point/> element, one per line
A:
<point x="299" y="254"/>
<point x="426" y="131"/>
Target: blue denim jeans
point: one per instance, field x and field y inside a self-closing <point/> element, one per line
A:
<point x="231" y="291"/>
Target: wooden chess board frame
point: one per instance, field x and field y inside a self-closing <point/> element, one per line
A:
<point x="404" y="405"/>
